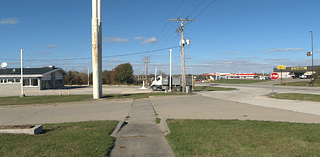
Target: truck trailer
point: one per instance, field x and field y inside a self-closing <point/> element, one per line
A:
<point x="163" y="83"/>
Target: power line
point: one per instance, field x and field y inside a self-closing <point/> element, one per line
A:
<point x="167" y="23"/>
<point x="195" y="9"/>
<point x="188" y="7"/>
<point x="128" y="54"/>
<point x="177" y="8"/>
<point x="205" y="8"/>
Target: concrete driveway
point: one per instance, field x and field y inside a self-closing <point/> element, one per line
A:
<point x="65" y="112"/>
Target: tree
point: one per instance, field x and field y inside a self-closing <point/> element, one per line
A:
<point x="123" y="73"/>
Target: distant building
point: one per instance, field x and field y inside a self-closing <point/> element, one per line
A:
<point x="218" y="76"/>
<point x="38" y="78"/>
<point x="296" y="72"/>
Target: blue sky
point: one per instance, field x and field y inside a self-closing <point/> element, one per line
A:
<point x="227" y="35"/>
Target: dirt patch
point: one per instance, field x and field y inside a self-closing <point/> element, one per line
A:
<point x="16" y="127"/>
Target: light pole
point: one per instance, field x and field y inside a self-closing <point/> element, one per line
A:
<point x="21" y="80"/>
<point x="312" y="53"/>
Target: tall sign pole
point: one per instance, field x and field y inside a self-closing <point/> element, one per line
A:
<point x="96" y="49"/>
<point x="170" y="78"/>
<point x="21" y="80"/>
<point x="182" y="44"/>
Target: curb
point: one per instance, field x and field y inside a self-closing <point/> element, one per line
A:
<point x="164" y="126"/>
<point x="120" y="125"/>
<point x="35" y="130"/>
<point x="163" y="123"/>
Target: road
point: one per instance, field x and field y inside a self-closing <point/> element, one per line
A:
<point x="256" y="94"/>
<point x="248" y="102"/>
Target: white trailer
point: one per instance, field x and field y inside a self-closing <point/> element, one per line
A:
<point x="162" y="83"/>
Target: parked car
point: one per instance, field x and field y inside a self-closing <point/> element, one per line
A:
<point x="303" y="77"/>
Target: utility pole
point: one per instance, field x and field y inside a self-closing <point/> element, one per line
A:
<point x="312" y="78"/>
<point x="147" y="60"/>
<point x="182" y="44"/>
<point x="96" y="49"/>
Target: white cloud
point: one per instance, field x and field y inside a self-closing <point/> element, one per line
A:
<point x="9" y="21"/>
<point x="138" y="38"/>
<point x="276" y="59"/>
<point x="52" y="46"/>
<point x="149" y="40"/>
<point x="44" y="53"/>
<point x="115" y="39"/>
<point x="234" y="53"/>
<point x="283" y="49"/>
<point x="318" y="50"/>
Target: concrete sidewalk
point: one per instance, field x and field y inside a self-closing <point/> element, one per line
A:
<point x="140" y="136"/>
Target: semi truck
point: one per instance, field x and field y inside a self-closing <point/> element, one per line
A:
<point x="163" y="83"/>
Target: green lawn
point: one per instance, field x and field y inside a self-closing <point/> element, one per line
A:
<point x="297" y="96"/>
<point x="63" y="139"/>
<point x="189" y="138"/>
<point x="72" y="98"/>
<point x="300" y="83"/>
<point x="239" y="81"/>
<point x="206" y="88"/>
<point x="42" y="99"/>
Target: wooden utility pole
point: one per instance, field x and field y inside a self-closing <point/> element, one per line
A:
<point x="182" y="44"/>
<point x="146" y="74"/>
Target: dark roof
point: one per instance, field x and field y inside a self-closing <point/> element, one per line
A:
<point x="26" y="71"/>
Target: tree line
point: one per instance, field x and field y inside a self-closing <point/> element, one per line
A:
<point x="122" y="74"/>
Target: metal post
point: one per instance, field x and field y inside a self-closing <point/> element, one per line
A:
<point x="21" y="81"/>
<point x="170" y="78"/>
<point x="88" y="77"/>
<point x="96" y="49"/>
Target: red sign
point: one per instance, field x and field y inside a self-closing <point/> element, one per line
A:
<point x="274" y="76"/>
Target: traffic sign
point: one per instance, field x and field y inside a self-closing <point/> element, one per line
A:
<point x="274" y="76"/>
<point x="281" y="67"/>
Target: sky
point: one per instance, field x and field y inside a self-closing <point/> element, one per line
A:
<point x="227" y="36"/>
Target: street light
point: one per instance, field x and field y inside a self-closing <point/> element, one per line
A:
<point x="312" y="52"/>
<point x="21" y="80"/>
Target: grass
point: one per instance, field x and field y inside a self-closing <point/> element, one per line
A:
<point x="242" y="138"/>
<point x="206" y="88"/>
<point x="90" y="138"/>
<point x="239" y="81"/>
<point x="42" y="99"/>
<point x="296" y="96"/>
<point x="300" y="83"/>
<point x="158" y="120"/>
<point x="73" y="98"/>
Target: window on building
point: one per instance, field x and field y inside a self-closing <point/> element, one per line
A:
<point x="10" y="80"/>
<point x="26" y="82"/>
<point x="34" y="82"/>
<point x="17" y="80"/>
